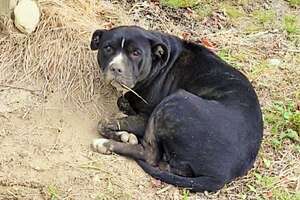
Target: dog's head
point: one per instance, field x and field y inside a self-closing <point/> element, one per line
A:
<point x="128" y="54"/>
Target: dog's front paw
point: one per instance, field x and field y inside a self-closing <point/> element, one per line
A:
<point x="101" y="146"/>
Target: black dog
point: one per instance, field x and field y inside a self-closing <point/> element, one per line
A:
<point x="197" y="120"/>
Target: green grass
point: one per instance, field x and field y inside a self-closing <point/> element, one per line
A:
<point x="235" y="58"/>
<point x="252" y="26"/>
<point x="53" y="192"/>
<point x="270" y="185"/>
<point x="185" y="194"/>
<point x="179" y="3"/>
<point x="233" y="11"/>
<point x="259" y="68"/>
<point x="284" y="120"/>
<point x="281" y="194"/>
<point x="264" y="17"/>
<point x="204" y="10"/>
<point x="291" y="24"/>
<point x="294" y="3"/>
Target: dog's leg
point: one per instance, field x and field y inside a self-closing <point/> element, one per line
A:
<point x="147" y="151"/>
<point x="106" y="146"/>
<point x="150" y="154"/>
<point x="126" y="129"/>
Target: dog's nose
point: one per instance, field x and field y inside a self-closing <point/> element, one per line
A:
<point x="116" y="70"/>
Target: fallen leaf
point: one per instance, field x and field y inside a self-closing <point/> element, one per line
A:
<point x="156" y="183"/>
<point x="208" y="44"/>
<point x="186" y="35"/>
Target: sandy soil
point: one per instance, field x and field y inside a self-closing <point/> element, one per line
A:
<point x="45" y="152"/>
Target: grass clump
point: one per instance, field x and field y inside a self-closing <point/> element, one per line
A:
<point x="284" y="119"/>
<point x="294" y="3"/>
<point x="264" y="17"/>
<point x="260" y="20"/>
<point x="291" y="24"/>
<point x="179" y="3"/>
<point x="53" y="192"/>
<point x="185" y="194"/>
<point x="233" y="11"/>
<point x="235" y="58"/>
<point x="270" y="184"/>
<point x="204" y="10"/>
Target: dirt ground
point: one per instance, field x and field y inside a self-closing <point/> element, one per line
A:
<point x="52" y="97"/>
<point x="45" y="152"/>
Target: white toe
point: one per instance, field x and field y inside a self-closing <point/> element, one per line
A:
<point x="124" y="137"/>
<point x="98" y="145"/>
<point x="119" y="133"/>
<point x="132" y="139"/>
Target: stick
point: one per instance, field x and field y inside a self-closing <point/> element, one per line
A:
<point x="126" y="87"/>
<point x="19" y="88"/>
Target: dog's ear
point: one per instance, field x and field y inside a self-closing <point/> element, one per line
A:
<point x="96" y="39"/>
<point x="160" y="53"/>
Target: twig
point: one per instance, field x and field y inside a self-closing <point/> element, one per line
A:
<point x="19" y="88"/>
<point x="164" y="189"/>
<point x="126" y="87"/>
<point x="10" y="192"/>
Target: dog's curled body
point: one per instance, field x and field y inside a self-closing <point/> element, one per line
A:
<point x="201" y="126"/>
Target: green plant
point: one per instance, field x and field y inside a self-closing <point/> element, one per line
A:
<point x="185" y="195"/>
<point x="234" y="58"/>
<point x="233" y="11"/>
<point x="179" y="3"/>
<point x="264" y="17"/>
<point x="204" y="10"/>
<point x="291" y="24"/>
<point x="284" y="119"/>
<point x="294" y="3"/>
<point x="281" y="194"/>
<point x="53" y="192"/>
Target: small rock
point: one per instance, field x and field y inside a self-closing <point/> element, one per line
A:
<point x="27" y="15"/>
<point x="274" y="62"/>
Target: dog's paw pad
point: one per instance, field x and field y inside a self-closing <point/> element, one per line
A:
<point x="98" y="145"/>
<point x="132" y="139"/>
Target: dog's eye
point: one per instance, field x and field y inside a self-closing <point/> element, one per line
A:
<point x="108" y="49"/>
<point x="136" y="53"/>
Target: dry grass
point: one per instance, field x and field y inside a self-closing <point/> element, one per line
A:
<point x="57" y="53"/>
<point x="57" y="57"/>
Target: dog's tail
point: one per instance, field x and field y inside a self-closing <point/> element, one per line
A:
<point x="197" y="184"/>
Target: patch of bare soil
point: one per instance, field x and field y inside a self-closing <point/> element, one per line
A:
<point x="45" y="152"/>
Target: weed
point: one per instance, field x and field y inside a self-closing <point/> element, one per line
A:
<point x="281" y="194"/>
<point x="291" y="24"/>
<point x="179" y="3"/>
<point x="234" y="58"/>
<point x="204" y="10"/>
<point x="185" y="195"/>
<point x="284" y="119"/>
<point x="294" y="3"/>
<point x="232" y="11"/>
<point x="264" y="17"/>
<point x="53" y="192"/>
